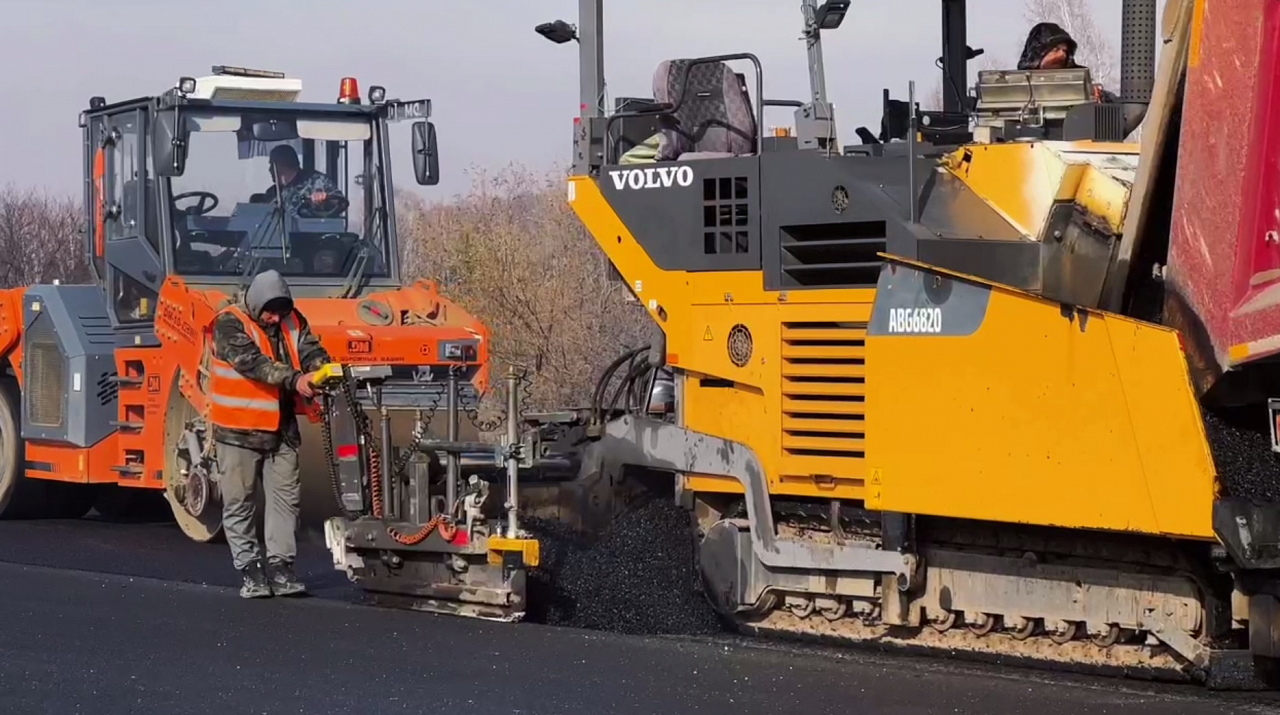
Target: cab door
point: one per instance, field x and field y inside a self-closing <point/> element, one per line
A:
<point x="125" y="223"/>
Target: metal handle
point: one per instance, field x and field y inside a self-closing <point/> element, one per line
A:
<point x="513" y="461"/>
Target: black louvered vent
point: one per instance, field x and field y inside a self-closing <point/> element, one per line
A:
<point x="824" y="389"/>
<point x="108" y="388"/>
<point x="835" y="255"/>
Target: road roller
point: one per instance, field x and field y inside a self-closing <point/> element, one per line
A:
<point x="104" y="383"/>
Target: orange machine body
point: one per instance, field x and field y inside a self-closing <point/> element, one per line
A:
<point x="417" y="322"/>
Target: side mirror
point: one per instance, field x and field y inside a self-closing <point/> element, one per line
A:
<point x="169" y="144"/>
<point x="426" y="160"/>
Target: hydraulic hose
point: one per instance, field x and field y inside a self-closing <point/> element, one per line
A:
<point x="602" y="385"/>
<point x="637" y="371"/>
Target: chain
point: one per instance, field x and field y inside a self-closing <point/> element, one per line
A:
<point x="526" y="395"/>
<point x="419" y="432"/>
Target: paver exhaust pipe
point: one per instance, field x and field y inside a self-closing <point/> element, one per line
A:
<point x="1137" y="60"/>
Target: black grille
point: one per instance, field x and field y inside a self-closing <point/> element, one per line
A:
<point x="726" y="223"/>
<point x="45" y="375"/>
<point x="108" y="388"/>
<point x="835" y="255"/>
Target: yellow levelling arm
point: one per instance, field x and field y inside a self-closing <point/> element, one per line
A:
<point x="528" y="549"/>
<point x="328" y="374"/>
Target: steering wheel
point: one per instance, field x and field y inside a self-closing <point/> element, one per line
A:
<point x="333" y="205"/>
<point x="198" y="209"/>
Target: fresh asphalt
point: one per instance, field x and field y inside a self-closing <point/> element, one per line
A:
<point x="133" y="618"/>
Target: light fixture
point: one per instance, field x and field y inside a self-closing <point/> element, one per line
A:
<point x="229" y="71"/>
<point x="830" y="14"/>
<point x="187" y="85"/>
<point x="558" y="32"/>
<point x="377" y="94"/>
<point x="349" y="91"/>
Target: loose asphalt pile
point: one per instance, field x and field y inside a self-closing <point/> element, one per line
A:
<point x="1241" y="447"/>
<point x="639" y="578"/>
<point x="1239" y="439"/>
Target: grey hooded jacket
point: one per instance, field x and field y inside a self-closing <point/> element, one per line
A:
<point x="232" y="343"/>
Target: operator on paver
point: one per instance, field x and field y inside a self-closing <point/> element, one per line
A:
<point x="1050" y="47"/>
<point x="264" y="358"/>
<point x="298" y="187"/>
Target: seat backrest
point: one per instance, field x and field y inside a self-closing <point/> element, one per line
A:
<point x="714" y="117"/>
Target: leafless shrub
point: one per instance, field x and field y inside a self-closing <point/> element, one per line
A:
<point x="514" y="254"/>
<point x="40" y="238"/>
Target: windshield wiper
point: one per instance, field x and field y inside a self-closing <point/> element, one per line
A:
<point x="259" y="237"/>
<point x="373" y="236"/>
<point x="251" y="269"/>
<point x="351" y="285"/>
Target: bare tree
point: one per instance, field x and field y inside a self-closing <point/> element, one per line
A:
<point x="934" y="99"/>
<point x="40" y="238"/>
<point x="513" y="253"/>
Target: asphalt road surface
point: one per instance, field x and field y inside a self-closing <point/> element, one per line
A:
<point x="132" y="618"/>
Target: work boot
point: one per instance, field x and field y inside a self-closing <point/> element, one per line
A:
<point x="283" y="581"/>
<point x="255" y="581"/>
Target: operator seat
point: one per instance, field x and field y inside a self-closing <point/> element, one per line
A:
<point x="714" y="121"/>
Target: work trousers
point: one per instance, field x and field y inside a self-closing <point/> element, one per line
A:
<point x="238" y="471"/>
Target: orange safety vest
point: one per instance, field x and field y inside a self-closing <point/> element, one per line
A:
<point x="241" y="403"/>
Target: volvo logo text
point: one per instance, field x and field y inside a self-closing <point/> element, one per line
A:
<point x="658" y="177"/>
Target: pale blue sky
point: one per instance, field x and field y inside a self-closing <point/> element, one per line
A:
<point x="501" y="92"/>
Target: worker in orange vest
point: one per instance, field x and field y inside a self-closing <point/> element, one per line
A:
<point x="261" y="373"/>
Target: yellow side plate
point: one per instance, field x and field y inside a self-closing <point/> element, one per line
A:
<point x="529" y="550"/>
